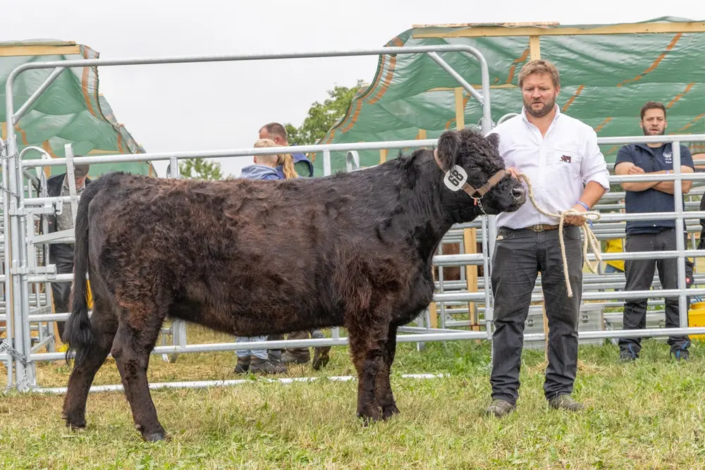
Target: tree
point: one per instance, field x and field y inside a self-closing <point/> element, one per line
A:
<point x="200" y="169"/>
<point x="322" y="116"/>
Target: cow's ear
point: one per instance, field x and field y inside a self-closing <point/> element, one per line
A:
<point x="448" y="145"/>
<point x="494" y="140"/>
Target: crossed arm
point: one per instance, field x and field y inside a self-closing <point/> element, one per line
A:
<point x="627" y="168"/>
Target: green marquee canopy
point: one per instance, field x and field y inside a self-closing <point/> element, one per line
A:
<point x="607" y="73"/>
<point x="71" y="110"/>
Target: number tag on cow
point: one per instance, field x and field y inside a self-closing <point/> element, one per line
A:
<point x="455" y="178"/>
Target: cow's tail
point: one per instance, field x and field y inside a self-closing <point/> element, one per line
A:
<point x="78" y="333"/>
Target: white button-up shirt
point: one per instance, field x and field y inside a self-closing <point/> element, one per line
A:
<point x="559" y="165"/>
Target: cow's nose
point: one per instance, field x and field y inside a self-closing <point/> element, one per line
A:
<point x="518" y="193"/>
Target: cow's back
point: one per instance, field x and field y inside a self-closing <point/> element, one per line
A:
<point x="243" y="253"/>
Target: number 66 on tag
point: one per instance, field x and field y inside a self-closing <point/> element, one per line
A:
<point x="455" y="178"/>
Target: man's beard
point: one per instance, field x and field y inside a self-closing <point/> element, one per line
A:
<point x="541" y="112"/>
<point x="647" y="132"/>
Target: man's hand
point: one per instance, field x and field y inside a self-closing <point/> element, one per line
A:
<point x="514" y="173"/>
<point x="577" y="220"/>
<point x="635" y="170"/>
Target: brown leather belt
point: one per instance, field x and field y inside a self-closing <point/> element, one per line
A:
<point x="542" y="228"/>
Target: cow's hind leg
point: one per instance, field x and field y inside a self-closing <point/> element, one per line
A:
<point x="383" y="388"/>
<point x="135" y="339"/>
<point x="367" y="345"/>
<point x="103" y="326"/>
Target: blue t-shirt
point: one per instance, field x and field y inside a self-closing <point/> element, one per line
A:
<point x="652" y="200"/>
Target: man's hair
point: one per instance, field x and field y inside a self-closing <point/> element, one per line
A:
<point x="652" y="105"/>
<point x="540" y="67"/>
<point x="274" y="128"/>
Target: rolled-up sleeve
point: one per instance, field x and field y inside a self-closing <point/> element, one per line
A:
<point x="594" y="167"/>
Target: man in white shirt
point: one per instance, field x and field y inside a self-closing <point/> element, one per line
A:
<point x="567" y="170"/>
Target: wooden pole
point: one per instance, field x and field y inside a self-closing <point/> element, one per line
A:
<point x="469" y="234"/>
<point x="535" y="47"/>
<point x="459" y="108"/>
<point x="383" y="155"/>
<point x="603" y="30"/>
<point x="470" y="243"/>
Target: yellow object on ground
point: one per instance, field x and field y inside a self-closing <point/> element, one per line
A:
<point x="61" y="347"/>
<point x="696" y="317"/>
<point x="615" y="245"/>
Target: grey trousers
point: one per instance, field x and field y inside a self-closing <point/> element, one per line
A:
<point x="640" y="274"/>
<point x="62" y="256"/>
<point x="518" y="258"/>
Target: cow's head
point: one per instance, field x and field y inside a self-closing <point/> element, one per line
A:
<point x="479" y="157"/>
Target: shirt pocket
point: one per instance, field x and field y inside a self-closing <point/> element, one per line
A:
<point x="566" y="159"/>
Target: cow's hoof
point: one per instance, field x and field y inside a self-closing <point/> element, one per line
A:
<point x="155" y="437"/>
<point x="369" y="417"/>
<point x="389" y="411"/>
<point x="73" y="423"/>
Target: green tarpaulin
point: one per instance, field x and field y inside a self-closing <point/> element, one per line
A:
<point x="605" y="79"/>
<point x="71" y="110"/>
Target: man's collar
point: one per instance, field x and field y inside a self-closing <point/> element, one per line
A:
<point x="651" y="149"/>
<point x="65" y="184"/>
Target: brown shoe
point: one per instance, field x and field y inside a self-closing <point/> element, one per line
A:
<point x="296" y="358"/>
<point x="321" y="357"/>
<point x="499" y="408"/>
<point x="565" y="402"/>
<point x="264" y="366"/>
<point x="243" y="365"/>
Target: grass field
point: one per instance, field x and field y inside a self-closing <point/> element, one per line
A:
<point x="643" y="415"/>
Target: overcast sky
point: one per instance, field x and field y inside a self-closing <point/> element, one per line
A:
<point x="222" y="105"/>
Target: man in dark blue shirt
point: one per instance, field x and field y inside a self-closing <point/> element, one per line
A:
<point x="651" y="235"/>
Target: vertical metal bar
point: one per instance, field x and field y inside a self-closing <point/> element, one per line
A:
<point x="22" y="218"/>
<point x="12" y="238"/>
<point x="178" y="327"/>
<point x="45" y="251"/>
<point x="680" y="242"/>
<point x="486" y="276"/>
<point x="462" y="250"/>
<point x="487" y="124"/>
<point x="71" y="180"/>
<point x="10" y="321"/>
<point x="326" y="163"/>
<point x="489" y="309"/>
<point x="441" y="288"/>
<point x="14" y="302"/>
<point x="174" y="170"/>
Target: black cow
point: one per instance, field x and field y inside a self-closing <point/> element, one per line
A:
<point x="261" y="257"/>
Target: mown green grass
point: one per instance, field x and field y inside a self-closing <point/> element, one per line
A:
<point x="643" y="415"/>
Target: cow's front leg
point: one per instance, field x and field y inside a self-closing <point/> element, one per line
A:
<point x="367" y="345"/>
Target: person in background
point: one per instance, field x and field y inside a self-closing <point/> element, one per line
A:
<point x="265" y="168"/>
<point x="321" y="356"/>
<point x="277" y="133"/>
<point x="61" y="254"/>
<point x="651" y="235"/>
